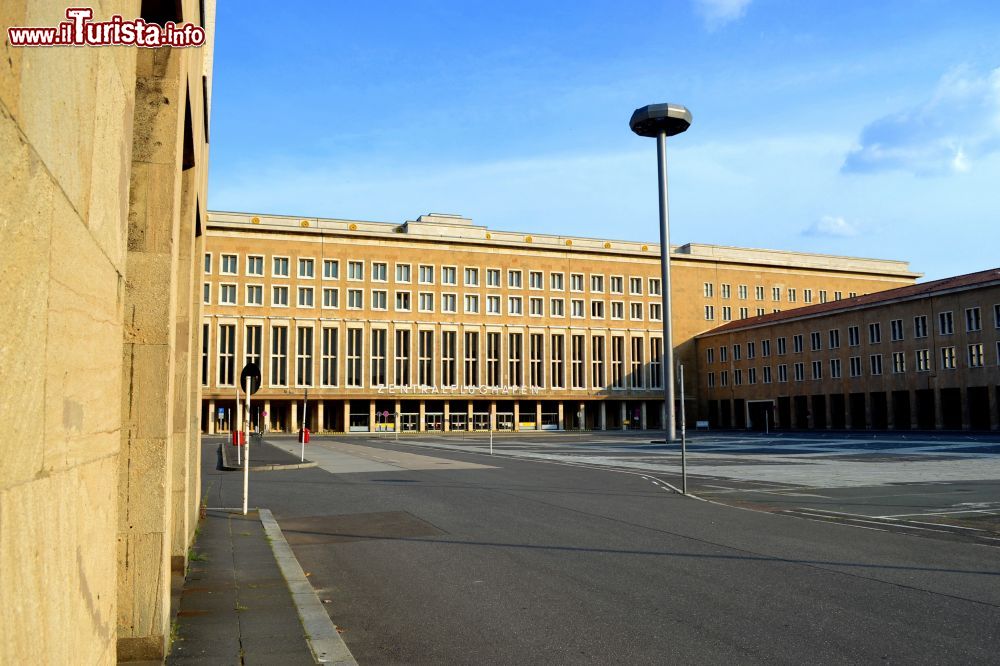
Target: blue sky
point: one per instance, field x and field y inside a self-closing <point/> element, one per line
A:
<point x="857" y="128"/>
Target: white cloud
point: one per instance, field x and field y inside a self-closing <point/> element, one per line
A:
<point x="717" y="13"/>
<point x="958" y="125"/>
<point x="831" y="226"/>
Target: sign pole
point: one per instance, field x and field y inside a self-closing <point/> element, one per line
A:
<point x="684" y="470"/>
<point x="246" y="458"/>
<point x="234" y="425"/>
<point x="302" y="431"/>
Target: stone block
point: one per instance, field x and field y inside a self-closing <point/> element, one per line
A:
<point x="12" y="12"/>
<point x="146" y="465"/>
<point x="147" y="317"/>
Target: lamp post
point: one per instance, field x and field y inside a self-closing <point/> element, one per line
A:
<point x="661" y="121"/>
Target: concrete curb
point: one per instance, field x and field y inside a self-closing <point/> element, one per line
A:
<point x="325" y="642"/>
<point x="227" y="464"/>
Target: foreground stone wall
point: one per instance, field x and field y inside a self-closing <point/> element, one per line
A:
<point x="75" y="577"/>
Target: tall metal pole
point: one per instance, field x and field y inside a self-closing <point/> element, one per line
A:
<point x="246" y="456"/>
<point x="684" y="465"/>
<point x="670" y="431"/>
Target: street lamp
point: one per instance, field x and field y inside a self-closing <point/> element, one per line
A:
<point x="661" y="121"/>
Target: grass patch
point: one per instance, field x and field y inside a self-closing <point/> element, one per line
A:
<point x="195" y="556"/>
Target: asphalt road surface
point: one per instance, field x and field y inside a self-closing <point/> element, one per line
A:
<point x="434" y="555"/>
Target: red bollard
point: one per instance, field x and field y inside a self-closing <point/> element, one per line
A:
<point x="304" y="436"/>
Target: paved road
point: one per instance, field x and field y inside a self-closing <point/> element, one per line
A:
<point x="438" y="556"/>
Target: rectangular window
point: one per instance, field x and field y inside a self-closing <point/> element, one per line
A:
<point x="355" y="270"/>
<point x="635" y="311"/>
<point x="493" y="356"/>
<point x="378" y="356"/>
<point x="946" y="323"/>
<point x="996" y="316"/>
<point x="782" y="373"/>
<point x="726" y="291"/>
<point x="815" y="341"/>
<point x="380" y="299"/>
<point x="898" y="363"/>
<point x="807" y="295"/>
<point x="853" y="336"/>
<point x="515" y="342"/>
<point x="817" y="370"/>
<point x="449" y="358"/>
<point x="576" y="281"/>
<point x="920" y="326"/>
<point x="923" y="357"/>
<point x="782" y="348"/>
<point x="279" y="267"/>
<point x="206" y="293"/>
<point x="724" y="378"/>
<point x="775" y="293"/>
<point x="304" y="356"/>
<point x="403" y="273"/>
<point x="535" y="279"/>
<point x="425" y="358"/>
<point x="791" y="295"/>
<point x="597" y="284"/>
<point x="617" y="284"/>
<point x="556" y="281"/>
<point x="305" y="297"/>
<point x="401" y="364"/>
<point x="897" y="329"/>
<point x="767" y="374"/>
<point x="331" y="269"/>
<point x="751" y="350"/>
<point x="254" y="334"/>
<point x="307" y="268"/>
<point x="710" y="355"/>
<point x="976" y="355"/>
<point x="834" y="338"/>
<point x="279" y="356"/>
<point x="426" y="274"/>
<point x="557" y="307"/>
<point x="797" y="344"/>
<point x="471" y="277"/>
<point x="578" y="345"/>
<point x="279" y="297"/>
<point x="617" y="361"/>
<point x="255" y="265"/>
<point x="449" y="275"/>
<point x="636" y="369"/>
<point x="354" y="344"/>
<point x="331" y="297"/>
<point x="426" y="303"/>
<point x="655" y="312"/>
<point x="449" y="303"/>
<point x="557" y="356"/>
<point x="742" y="291"/>
<point x="536" y="307"/>
<point x="948" y="358"/>
<point x="709" y="313"/>
<point x="597" y="380"/>
<point x="855" y="366"/>
<point x="822" y="296"/>
<point x="973" y="320"/>
<point x="738" y="377"/>
<point x="208" y="263"/>
<point x="403" y="301"/>
<point x="514" y="279"/>
<point x="493" y="277"/>
<point x="471" y="358"/>
<point x="737" y="352"/>
<point x="727" y="313"/>
<point x="380" y="271"/>
<point x="255" y="294"/>
<point x="800" y="372"/>
<point x="206" y="332"/>
<point x="227" y="294"/>
<point x="515" y="306"/>
<point x="597" y="309"/>
<point x="328" y="365"/>
<point x="536" y="341"/>
<point x="228" y="264"/>
<point x="837" y="295"/>
<point x="874" y="333"/>
<point x="355" y="299"/>
<point x="709" y="290"/>
<point x="835" y="368"/>
<point x="472" y="303"/>
<point x="654" y="287"/>
<point x="744" y="313"/>
<point x="617" y="310"/>
<point x="876" y="364"/>
<point x="635" y="286"/>
<point x="577" y="309"/>
<point x="758" y="292"/>
<point x="765" y="348"/>
<point x="227" y="354"/>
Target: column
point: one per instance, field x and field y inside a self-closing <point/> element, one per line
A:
<point x="602" y="416"/>
<point x="642" y="415"/>
<point x="211" y="416"/>
<point x="562" y="420"/>
<point x="963" y="394"/>
<point x="468" y="420"/>
<point x="319" y="415"/>
<point x="582" y="425"/>
<point x="663" y="415"/>
<point x="847" y="411"/>
<point x="267" y="414"/>
<point x="396" y="419"/>
<point x="622" y="413"/>
<point x="447" y="416"/>
<point x="868" y="410"/>
<point x="810" y="417"/>
<point x="371" y="416"/>
<point x="493" y="414"/>
<point x="347" y="416"/>
<point x="938" y="410"/>
<point x="994" y="416"/>
<point x="914" y="421"/>
<point x="293" y="416"/>
<point x="517" y="416"/>
<point x="829" y="411"/>
<point x="890" y="412"/>
<point x="538" y="415"/>
<point x="421" y="426"/>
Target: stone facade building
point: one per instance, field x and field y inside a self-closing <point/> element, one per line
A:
<point x="103" y="156"/>
<point x="454" y="326"/>
<point x="925" y="356"/>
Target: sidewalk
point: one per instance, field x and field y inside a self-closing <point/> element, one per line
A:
<point x="245" y="599"/>
<point x="264" y="457"/>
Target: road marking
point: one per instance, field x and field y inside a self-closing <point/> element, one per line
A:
<point x="939" y="513"/>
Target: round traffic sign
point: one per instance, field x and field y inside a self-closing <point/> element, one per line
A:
<point x="251" y="375"/>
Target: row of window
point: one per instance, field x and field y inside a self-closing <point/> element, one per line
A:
<point x="946" y="326"/>
<point x="791" y="293"/>
<point x="427" y="302"/>
<point x="535" y="360"/>
<point x="429" y="274"/>
<point x="975" y="358"/>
